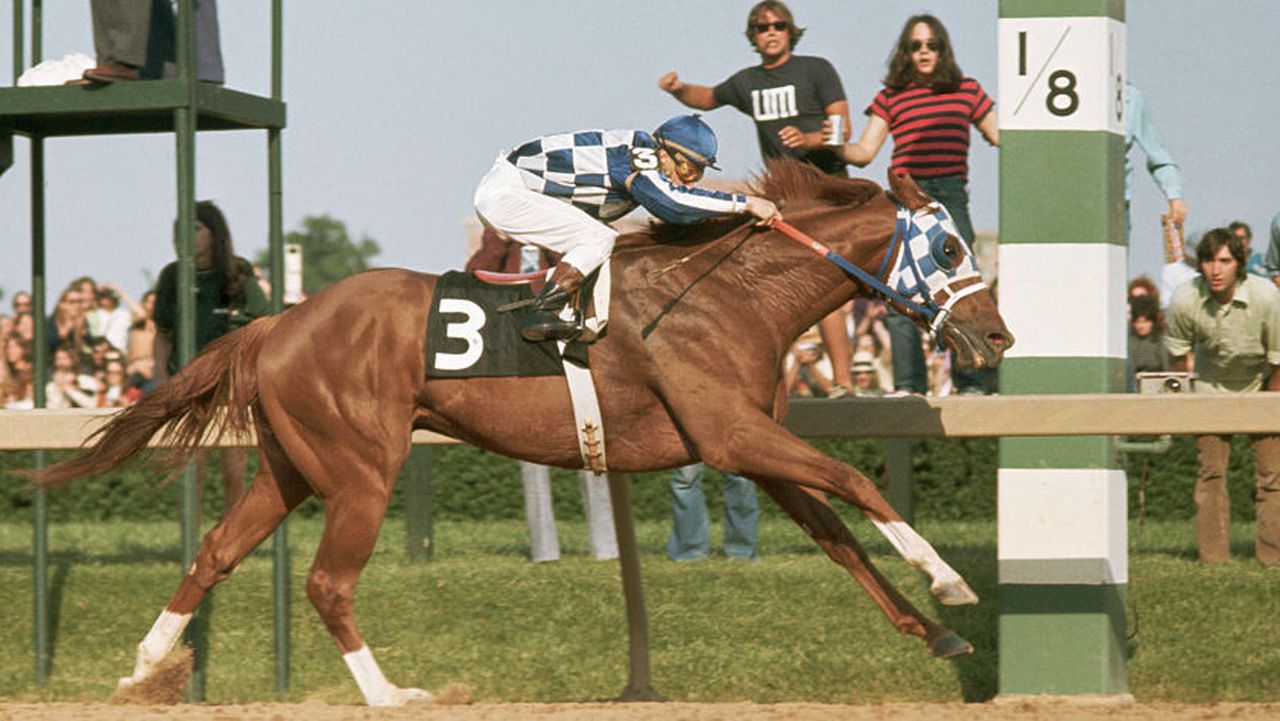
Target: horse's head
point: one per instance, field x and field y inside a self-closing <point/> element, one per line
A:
<point x="934" y="269"/>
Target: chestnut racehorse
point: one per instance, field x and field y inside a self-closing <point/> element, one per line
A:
<point x="689" y="369"/>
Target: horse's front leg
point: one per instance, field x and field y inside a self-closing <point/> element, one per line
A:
<point x="756" y="446"/>
<point x="810" y="510"/>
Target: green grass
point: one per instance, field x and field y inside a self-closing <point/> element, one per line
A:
<point x="791" y="627"/>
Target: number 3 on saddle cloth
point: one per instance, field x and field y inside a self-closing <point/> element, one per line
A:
<point x="468" y="336"/>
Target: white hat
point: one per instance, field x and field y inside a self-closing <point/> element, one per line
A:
<point x="863" y="362"/>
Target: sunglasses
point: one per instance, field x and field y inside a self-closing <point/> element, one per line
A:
<point x="777" y="25"/>
<point x="932" y="45"/>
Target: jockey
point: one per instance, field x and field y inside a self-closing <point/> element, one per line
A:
<point x="559" y="191"/>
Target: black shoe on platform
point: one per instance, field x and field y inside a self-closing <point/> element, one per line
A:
<point x="540" y="325"/>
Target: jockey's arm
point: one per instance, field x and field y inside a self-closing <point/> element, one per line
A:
<point x="687" y="204"/>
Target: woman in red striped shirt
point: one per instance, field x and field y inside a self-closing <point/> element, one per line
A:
<point x="927" y="104"/>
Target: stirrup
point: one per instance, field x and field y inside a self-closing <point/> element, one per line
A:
<point x="540" y="325"/>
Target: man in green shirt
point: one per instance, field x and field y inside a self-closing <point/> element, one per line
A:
<point x="1232" y="322"/>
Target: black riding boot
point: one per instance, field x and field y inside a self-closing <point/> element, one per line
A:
<point x="543" y="321"/>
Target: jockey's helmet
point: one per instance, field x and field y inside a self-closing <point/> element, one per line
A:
<point x="691" y="137"/>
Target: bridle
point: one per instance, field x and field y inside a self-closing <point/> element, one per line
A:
<point x="921" y="276"/>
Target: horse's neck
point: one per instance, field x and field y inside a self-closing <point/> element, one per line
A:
<point x="801" y="287"/>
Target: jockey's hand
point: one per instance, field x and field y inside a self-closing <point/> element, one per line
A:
<point x="764" y="210"/>
<point x="671" y="83"/>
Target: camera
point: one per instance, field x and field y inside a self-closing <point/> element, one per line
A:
<point x="1166" y="382"/>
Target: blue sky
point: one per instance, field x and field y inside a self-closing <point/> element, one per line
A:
<point x="396" y="112"/>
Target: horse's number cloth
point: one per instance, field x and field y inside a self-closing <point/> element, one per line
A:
<point x="467" y="336"/>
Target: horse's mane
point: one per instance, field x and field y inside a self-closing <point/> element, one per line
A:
<point x="791" y="184"/>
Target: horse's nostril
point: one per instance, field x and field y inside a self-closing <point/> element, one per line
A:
<point x="999" y="340"/>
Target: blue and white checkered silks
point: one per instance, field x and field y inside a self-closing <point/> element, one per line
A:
<point x="923" y="271"/>
<point x="607" y="173"/>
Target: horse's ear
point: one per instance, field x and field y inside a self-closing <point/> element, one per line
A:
<point x="905" y="190"/>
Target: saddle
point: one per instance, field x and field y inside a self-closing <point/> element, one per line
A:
<point x="589" y="303"/>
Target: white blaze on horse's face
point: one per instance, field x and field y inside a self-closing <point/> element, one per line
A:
<point x="932" y="261"/>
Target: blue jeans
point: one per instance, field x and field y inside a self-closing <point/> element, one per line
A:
<point x="690" y="538"/>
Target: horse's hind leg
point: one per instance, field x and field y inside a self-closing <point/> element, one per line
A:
<point x="352" y="520"/>
<point x="810" y="510"/>
<point x="355" y="476"/>
<point x="277" y="489"/>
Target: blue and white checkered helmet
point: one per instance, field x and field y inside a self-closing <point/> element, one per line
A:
<point x="691" y="137"/>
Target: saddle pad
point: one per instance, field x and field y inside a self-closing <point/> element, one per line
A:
<point x="467" y="337"/>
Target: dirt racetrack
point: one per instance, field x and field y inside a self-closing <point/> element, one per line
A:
<point x="1023" y="709"/>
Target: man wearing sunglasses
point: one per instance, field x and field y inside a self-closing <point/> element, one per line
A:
<point x="560" y="191"/>
<point x="788" y="96"/>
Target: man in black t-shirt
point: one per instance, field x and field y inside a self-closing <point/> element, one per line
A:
<point x="788" y="96"/>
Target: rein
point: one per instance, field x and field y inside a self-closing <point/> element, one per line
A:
<point x="929" y="312"/>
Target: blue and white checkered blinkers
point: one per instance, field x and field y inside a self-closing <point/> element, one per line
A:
<point x="924" y="270"/>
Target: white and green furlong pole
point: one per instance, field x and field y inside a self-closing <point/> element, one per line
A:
<point x="1063" y="541"/>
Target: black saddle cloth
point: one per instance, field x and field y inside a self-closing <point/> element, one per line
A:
<point x="467" y="337"/>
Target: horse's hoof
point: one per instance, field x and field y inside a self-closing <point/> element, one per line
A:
<point x="954" y="592"/>
<point x="949" y="645"/>
<point x="404" y="697"/>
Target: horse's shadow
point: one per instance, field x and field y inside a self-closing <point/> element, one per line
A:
<point x="978" y="674"/>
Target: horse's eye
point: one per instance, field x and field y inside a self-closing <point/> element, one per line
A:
<point x="944" y="252"/>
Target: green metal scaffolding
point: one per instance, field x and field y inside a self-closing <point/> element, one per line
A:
<point x="182" y="106"/>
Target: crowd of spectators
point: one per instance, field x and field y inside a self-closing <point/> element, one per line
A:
<point x="97" y="343"/>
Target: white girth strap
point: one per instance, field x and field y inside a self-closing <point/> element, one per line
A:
<point x="586" y="415"/>
<point x="588" y="424"/>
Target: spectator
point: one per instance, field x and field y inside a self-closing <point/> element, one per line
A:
<point x="1256" y="264"/>
<point x="6" y="326"/>
<point x="139" y="360"/>
<point x="227" y="297"/>
<point x="927" y="104"/>
<point x="67" y="387"/>
<point x="1140" y="129"/>
<point x="808" y="371"/>
<point x="115" y="391"/>
<point x="506" y="256"/>
<point x="876" y="347"/>
<point x="1143" y="286"/>
<point x="17" y="354"/>
<point x="1231" y="320"/>
<point x="865" y="379"/>
<point x="68" y="327"/>
<point x="690" y="536"/>
<point x="1272" y="261"/>
<point x="788" y="96"/>
<point x="938" y="367"/>
<point x="110" y="319"/>
<point x="24" y="327"/>
<point x="21" y="302"/>
<point x="136" y="39"/>
<point x="1146" y="338"/>
<point x="20" y="395"/>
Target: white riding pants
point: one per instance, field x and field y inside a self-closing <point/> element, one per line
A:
<point x="504" y="202"/>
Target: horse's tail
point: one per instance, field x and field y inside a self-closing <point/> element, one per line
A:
<point x="219" y="387"/>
